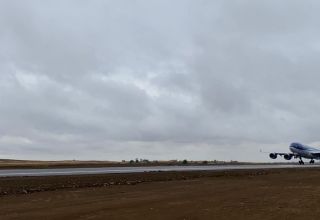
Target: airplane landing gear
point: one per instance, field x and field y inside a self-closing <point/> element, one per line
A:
<point x="311" y="161"/>
<point x="301" y="161"/>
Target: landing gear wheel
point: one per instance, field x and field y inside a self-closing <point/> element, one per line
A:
<point x="301" y="162"/>
<point x="312" y="161"/>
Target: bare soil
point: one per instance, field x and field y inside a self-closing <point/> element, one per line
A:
<point x="260" y="194"/>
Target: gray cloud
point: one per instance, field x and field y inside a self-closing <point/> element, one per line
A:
<point x="157" y="79"/>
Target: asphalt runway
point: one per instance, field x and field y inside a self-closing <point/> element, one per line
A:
<point x="106" y="170"/>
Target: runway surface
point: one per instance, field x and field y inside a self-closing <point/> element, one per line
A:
<point x="106" y="170"/>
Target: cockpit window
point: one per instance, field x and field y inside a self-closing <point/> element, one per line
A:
<point x="298" y="146"/>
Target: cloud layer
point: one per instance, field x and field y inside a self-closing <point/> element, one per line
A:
<point x="157" y="79"/>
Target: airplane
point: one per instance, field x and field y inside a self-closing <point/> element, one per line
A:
<point x="299" y="151"/>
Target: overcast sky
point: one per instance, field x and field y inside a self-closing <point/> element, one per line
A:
<point x="158" y="79"/>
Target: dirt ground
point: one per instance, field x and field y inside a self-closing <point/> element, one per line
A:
<point x="268" y="194"/>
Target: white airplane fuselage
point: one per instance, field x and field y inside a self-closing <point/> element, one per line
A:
<point x="304" y="151"/>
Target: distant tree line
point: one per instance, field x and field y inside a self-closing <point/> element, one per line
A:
<point x="184" y="162"/>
